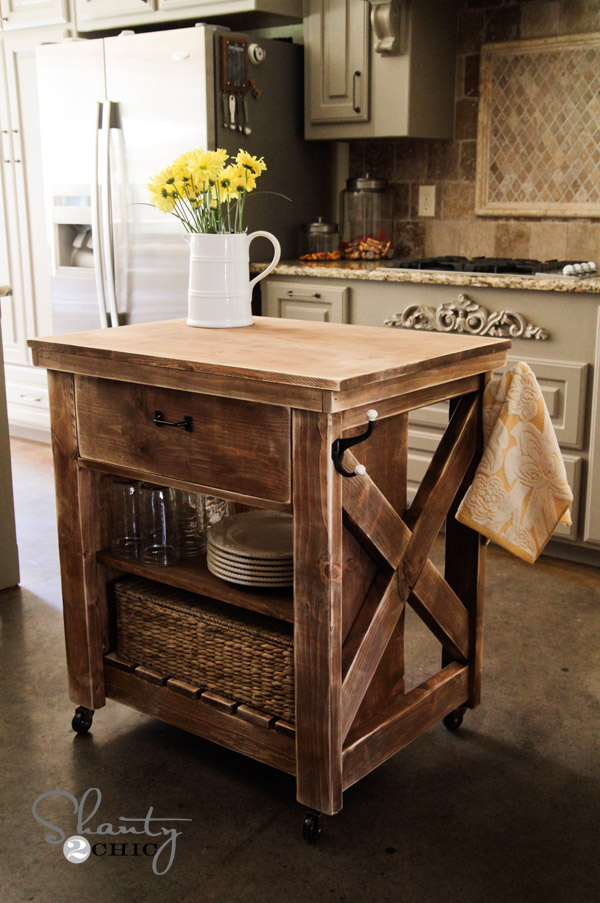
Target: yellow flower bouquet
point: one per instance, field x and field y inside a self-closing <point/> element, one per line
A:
<point x="205" y="192"/>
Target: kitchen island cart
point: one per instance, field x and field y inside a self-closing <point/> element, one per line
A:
<point x="265" y="416"/>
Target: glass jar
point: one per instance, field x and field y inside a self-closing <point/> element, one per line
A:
<point x="160" y="525"/>
<point x="125" y="534"/>
<point x="319" y="241"/>
<point x="366" y="207"/>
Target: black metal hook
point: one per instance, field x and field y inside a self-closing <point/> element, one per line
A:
<point x="339" y="446"/>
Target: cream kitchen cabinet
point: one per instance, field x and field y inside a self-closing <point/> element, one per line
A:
<point x="93" y="15"/>
<point x="23" y="247"/>
<point x="357" y="86"/>
<point x="27" y="13"/>
<point x="336" y="34"/>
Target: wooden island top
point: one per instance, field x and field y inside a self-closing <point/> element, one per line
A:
<point x="305" y="356"/>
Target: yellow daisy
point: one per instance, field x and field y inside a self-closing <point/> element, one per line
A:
<point x="206" y="166"/>
<point x="253" y="165"/>
<point x="162" y="190"/>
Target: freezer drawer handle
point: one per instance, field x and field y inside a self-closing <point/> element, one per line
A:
<point x="186" y="423"/>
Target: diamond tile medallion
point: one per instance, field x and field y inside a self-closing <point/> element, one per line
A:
<point x="538" y="142"/>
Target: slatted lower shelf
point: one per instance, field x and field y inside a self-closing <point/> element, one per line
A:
<point x="215" y="718"/>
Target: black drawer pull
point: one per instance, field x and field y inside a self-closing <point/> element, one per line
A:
<point x="186" y="423"/>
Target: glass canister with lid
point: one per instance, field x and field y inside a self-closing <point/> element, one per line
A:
<point x="366" y="207"/>
<point x="319" y="241"/>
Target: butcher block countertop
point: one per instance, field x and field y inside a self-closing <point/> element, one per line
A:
<point x="378" y="271"/>
<point x="304" y="361"/>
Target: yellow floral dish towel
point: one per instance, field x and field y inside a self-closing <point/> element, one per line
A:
<point x="520" y="491"/>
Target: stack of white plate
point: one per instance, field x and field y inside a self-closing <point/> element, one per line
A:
<point x="254" y="548"/>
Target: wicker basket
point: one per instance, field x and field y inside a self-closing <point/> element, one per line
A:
<point x="245" y="656"/>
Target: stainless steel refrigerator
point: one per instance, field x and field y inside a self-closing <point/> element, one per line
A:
<point x="115" y="111"/>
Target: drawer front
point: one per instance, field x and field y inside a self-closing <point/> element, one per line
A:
<point x="234" y="445"/>
<point x="305" y="301"/>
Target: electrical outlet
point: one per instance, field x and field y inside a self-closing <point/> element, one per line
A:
<point x="426" y="200"/>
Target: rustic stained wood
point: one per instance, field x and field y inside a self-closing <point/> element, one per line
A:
<point x="299" y="353"/>
<point x="193" y="575"/>
<point x="133" y="473"/>
<point x="150" y="675"/>
<point x="255" y="716"/>
<point x="241" y="446"/>
<point x="280" y="392"/>
<point x="83" y="632"/>
<point x="386" y="463"/>
<point x="440" y="484"/>
<point x="193" y="715"/>
<point x="222" y="703"/>
<point x="390" y="731"/>
<point x="317" y="613"/>
<point x="119" y="662"/>
<point x="183" y="687"/>
<point x="464" y="570"/>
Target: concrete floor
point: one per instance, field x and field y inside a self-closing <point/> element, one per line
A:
<point x="505" y="809"/>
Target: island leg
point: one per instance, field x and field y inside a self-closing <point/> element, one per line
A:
<point x="75" y="495"/>
<point x="464" y="571"/>
<point x="317" y="612"/>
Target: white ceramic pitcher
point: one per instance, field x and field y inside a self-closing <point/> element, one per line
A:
<point x="220" y="290"/>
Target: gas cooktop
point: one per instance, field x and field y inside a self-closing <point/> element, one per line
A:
<point x="500" y="265"/>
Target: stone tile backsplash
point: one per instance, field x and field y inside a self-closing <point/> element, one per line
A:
<point x="450" y="165"/>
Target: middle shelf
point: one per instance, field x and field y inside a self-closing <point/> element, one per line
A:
<point x="193" y="575"/>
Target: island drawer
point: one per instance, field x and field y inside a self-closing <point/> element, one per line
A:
<point x="233" y="445"/>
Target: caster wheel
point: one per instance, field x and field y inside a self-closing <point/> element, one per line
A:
<point x="82" y="720"/>
<point x="454" y="720"/>
<point x="311" y="829"/>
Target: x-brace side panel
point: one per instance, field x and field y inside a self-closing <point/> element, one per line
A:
<point x="402" y="546"/>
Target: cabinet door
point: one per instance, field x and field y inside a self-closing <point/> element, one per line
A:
<point x="121" y="11"/>
<point x="14" y="326"/>
<point x="23" y="246"/>
<point x="337" y="60"/>
<point x="294" y="301"/>
<point x="18" y="13"/>
<point x="21" y="82"/>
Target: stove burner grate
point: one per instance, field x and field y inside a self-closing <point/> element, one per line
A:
<point x="515" y="266"/>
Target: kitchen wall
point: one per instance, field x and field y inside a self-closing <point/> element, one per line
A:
<point x="450" y="165"/>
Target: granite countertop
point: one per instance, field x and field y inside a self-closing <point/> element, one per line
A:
<point x="379" y="271"/>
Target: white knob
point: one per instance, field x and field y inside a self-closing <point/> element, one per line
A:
<point x="593" y="266"/>
<point x="256" y="54"/>
<point x="180" y="55"/>
<point x="360" y="469"/>
<point x="585" y="267"/>
<point x="372" y="414"/>
<point x="577" y="268"/>
<point x="568" y="270"/>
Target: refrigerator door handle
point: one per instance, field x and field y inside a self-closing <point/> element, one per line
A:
<point x="108" y="120"/>
<point x="96" y="238"/>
